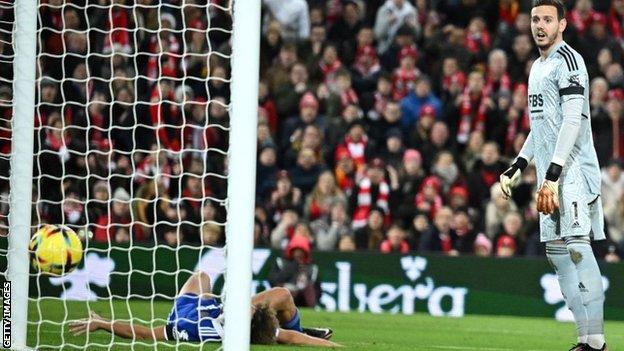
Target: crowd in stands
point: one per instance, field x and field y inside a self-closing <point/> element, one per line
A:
<point x="383" y="124"/>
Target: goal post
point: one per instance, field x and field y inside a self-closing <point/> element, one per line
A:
<point x="242" y="170"/>
<point x="112" y="74"/>
<point x="24" y="44"/>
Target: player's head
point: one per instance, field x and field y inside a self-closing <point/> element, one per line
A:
<point x="547" y="23"/>
<point x="264" y="325"/>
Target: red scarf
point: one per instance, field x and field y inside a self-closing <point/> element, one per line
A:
<point x="386" y="247"/>
<point x="349" y="97"/>
<point x="329" y="70"/>
<point x="472" y="42"/>
<point x="518" y="125"/>
<point x="403" y="82"/>
<point x="615" y="23"/>
<point x="457" y="78"/>
<point x="357" y="150"/>
<point x="118" y="27"/>
<point x="364" y="202"/>
<point x="435" y="206"/>
<point x="473" y="117"/>
<point x="492" y="86"/>
<point x="580" y="23"/>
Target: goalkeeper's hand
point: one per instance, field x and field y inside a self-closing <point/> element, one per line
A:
<point x="511" y="177"/>
<point x="548" y="197"/>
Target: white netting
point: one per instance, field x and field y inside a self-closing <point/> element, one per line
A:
<point x="131" y="135"/>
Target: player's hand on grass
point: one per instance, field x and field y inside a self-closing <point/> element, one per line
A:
<point x="93" y="323"/>
<point x="548" y="197"/>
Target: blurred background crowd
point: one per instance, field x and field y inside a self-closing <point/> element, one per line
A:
<point x="383" y="124"/>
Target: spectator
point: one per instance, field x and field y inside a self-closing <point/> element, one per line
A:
<point x="438" y="141"/>
<point x="612" y="194"/>
<point x="366" y="69"/>
<point x="329" y="229"/>
<point x="410" y="175"/>
<point x="413" y="102"/>
<point x="284" y="197"/>
<point x="311" y="50"/>
<point x="393" y="148"/>
<point x="345" y="170"/>
<point x="346" y="244"/>
<point x="324" y="194"/>
<point x="496" y="209"/>
<point x="447" y="172"/>
<point x="375" y="103"/>
<point x="405" y="76"/>
<point x="372" y="190"/>
<point x="344" y="30"/>
<point x="422" y="130"/>
<point x="306" y="172"/>
<point x="278" y="74"/>
<point x="466" y="235"/>
<point x="370" y="236"/>
<point x="505" y="246"/>
<point x="342" y="94"/>
<point x="289" y="94"/>
<point x="296" y="273"/>
<point x="482" y="246"/>
<point x="395" y="241"/>
<point x="390" y="17"/>
<point x="484" y="174"/>
<point x="285" y="229"/>
<point x="266" y="172"/>
<point x="474" y="108"/>
<point x="390" y="119"/>
<point x="211" y="235"/>
<point x="428" y="199"/>
<point x="522" y="53"/>
<point x="308" y="115"/>
<point x="440" y="237"/>
<point x="293" y="17"/>
<point x="419" y="225"/>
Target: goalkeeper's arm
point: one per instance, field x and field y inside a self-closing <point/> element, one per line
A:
<point x="124" y="330"/>
<point x="511" y="177"/>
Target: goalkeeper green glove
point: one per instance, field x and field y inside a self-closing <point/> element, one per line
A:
<point x="511" y="177"/>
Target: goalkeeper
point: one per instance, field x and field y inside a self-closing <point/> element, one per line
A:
<point x="197" y="316"/>
<point x="560" y="143"/>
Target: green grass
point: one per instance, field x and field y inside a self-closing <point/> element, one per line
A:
<point x="357" y="331"/>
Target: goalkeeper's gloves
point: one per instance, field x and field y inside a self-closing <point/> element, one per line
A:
<point x="548" y="195"/>
<point x="511" y="177"/>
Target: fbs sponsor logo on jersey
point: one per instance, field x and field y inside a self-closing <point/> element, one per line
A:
<point x="553" y="295"/>
<point x="536" y="100"/>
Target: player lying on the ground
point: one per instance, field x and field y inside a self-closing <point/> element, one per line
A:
<point x="197" y="316"/>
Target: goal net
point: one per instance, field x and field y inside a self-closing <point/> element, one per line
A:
<point x="132" y="130"/>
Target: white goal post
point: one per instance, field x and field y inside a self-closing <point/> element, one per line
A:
<point x="24" y="44"/>
<point x="242" y="170"/>
<point x="240" y="152"/>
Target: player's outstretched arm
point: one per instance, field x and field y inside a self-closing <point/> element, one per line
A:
<point x="124" y="330"/>
<point x="292" y="337"/>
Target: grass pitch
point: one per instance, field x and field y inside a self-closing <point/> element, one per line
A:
<point x="357" y="331"/>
